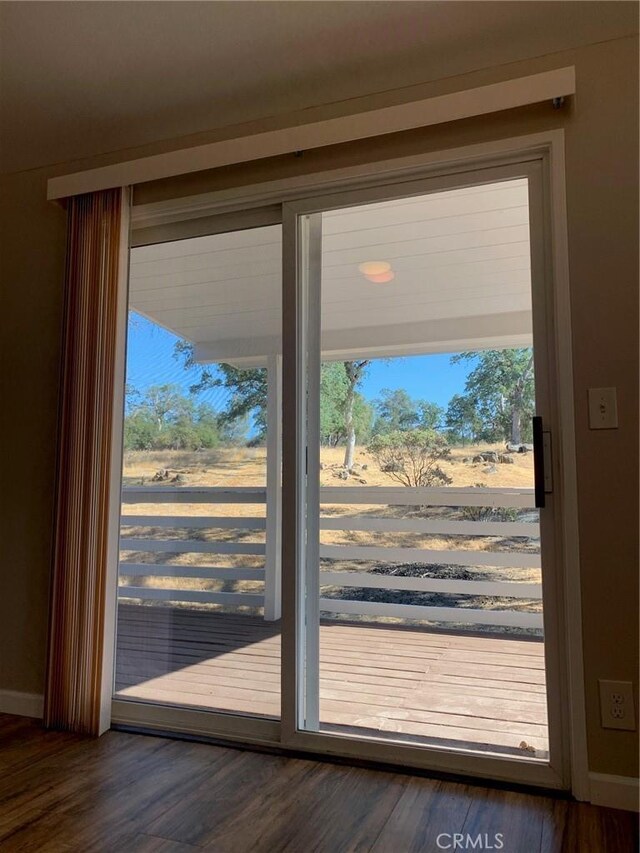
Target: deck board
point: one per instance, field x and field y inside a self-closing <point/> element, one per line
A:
<point x="482" y="692"/>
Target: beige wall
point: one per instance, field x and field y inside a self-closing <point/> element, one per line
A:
<point x="602" y="175"/>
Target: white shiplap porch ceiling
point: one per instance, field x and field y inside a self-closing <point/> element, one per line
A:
<point x="461" y="260"/>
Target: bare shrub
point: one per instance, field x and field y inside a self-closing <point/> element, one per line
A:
<point x="412" y="457"/>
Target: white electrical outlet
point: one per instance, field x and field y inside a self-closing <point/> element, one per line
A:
<point x="616" y="705"/>
<point x="603" y="408"/>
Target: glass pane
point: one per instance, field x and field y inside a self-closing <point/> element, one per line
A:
<point x="429" y="567"/>
<point x="199" y="580"/>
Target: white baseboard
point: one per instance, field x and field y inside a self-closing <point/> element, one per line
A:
<point x="23" y="704"/>
<point x="615" y="792"/>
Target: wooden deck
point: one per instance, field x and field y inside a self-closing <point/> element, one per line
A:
<point x="474" y="691"/>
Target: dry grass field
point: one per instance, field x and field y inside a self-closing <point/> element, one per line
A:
<point x="246" y="467"/>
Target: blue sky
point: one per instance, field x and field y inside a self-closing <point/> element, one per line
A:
<point x="150" y="361"/>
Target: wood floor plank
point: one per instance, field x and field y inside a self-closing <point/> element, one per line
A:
<point x="334" y="809"/>
<point x="513" y="818"/>
<point x="426" y="809"/>
<point x="143" y="843"/>
<point x="588" y="827"/>
<point x="228" y="791"/>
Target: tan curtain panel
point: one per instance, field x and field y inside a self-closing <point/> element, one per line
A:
<point x="79" y="585"/>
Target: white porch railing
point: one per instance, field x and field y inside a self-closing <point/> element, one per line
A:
<point x="269" y="572"/>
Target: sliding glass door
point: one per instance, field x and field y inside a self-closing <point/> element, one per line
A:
<point x="425" y="610"/>
<point x="338" y="527"/>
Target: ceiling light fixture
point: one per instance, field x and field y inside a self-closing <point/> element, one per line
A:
<point x="374" y="268"/>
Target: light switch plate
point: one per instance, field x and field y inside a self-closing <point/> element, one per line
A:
<point x="603" y="408"/>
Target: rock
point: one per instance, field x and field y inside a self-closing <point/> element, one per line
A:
<point x="161" y="474"/>
<point x="477" y="459"/>
<point x="343" y="475"/>
<point x="363" y="482"/>
<point x="178" y="479"/>
<point x="390" y="467"/>
<point x="489" y="456"/>
<point x="519" y="448"/>
<point x="353" y="471"/>
<point x="505" y="459"/>
<point x="490" y="469"/>
<point x="467" y="460"/>
<point x="365" y="467"/>
<point x="322" y="466"/>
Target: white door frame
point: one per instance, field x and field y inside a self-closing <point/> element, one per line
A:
<point x="547" y="148"/>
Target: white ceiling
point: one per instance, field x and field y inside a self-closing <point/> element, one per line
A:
<point x="461" y="261"/>
<point x="82" y="78"/>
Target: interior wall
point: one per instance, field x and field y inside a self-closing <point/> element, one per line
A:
<point x="601" y="127"/>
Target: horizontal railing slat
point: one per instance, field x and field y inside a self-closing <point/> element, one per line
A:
<point x="194" y="494"/>
<point x="386" y="495"/>
<point x="424" y="525"/>
<point x="507" y="618"/>
<point x="239" y="573"/>
<point x="457" y="587"/>
<point x="344" y="522"/>
<point x="507" y="559"/>
<point x="194" y="595"/>
<point x="446" y="496"/>
<point x="192" y="546"/>
<point x="195" y="522"/>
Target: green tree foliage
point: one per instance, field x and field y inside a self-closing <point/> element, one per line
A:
<point x="247" y="387"/>
<point x="462" y="420"/>
<point x="499" y="395"/>
<point x="355" y="372"/>
<point x="430" y="415"/>
<point x="334" y="394"/>
<point x="340" y="402"/>
<point x="412" y="457"/>
<point x="235" y="433"/>
<point x="164" y="418"/>
<point x="396" y="410"/>
<point x="140" y="430"/>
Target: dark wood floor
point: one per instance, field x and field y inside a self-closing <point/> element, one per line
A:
<point x="138" y="794"/>
<point x="468" y="691"/>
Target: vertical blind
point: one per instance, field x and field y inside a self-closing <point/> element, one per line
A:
<point x="77" y="630"/>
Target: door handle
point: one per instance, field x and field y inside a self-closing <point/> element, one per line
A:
<point x="538" y="462"/>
